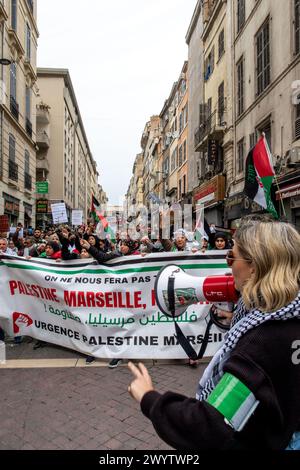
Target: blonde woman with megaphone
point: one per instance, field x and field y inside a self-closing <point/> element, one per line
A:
<point x="248" y="396"/>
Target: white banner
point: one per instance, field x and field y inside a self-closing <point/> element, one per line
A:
<point x="104" y="310"/>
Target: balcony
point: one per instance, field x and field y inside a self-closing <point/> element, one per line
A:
<point x="12" y="170"/>
<point x="28" y="182"/>
<point x="42" y="140"/>
<point x="42" y="114"/>
<point x="14" y="107"/>
<point x="28" y="127"/>
<point x="212" y="127"/>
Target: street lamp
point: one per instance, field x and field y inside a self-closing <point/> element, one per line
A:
<point x="4" y="61"/>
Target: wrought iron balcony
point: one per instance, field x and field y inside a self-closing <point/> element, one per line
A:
<point x="12" y="170"/>
<point x="213" y="126"/>
<point x="14" y="107"/>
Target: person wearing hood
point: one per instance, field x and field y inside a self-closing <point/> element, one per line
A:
<point x="221" y="241"/>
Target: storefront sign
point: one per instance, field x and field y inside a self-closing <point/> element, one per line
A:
<point x="211" y="192"/>
<point x="288" y="191"/>
<point x="42" y="206"/>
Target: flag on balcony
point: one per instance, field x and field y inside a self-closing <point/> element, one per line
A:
<point x="103" y="224"/>
<point x="259" y="176"/>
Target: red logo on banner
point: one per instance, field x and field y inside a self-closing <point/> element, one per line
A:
<point x="21" y="319"/>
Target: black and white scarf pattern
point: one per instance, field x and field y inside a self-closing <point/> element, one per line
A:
<point x="243" y="321"/>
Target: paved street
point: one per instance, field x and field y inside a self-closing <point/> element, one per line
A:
<point x="73" y="406"/>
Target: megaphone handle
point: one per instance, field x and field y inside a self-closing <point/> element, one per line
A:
<point x="184" y="343"/>
<point x="205" y="340"/>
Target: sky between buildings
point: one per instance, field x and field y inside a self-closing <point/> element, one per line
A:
<point x="123" y="57"/>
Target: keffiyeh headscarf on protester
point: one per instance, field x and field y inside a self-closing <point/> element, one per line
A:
<point x="243" y="321"/>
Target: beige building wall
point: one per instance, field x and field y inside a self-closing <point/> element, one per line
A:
<point x="19" y="35"/>
<point x="73" y="176"/>
<point x="272" y="110"/>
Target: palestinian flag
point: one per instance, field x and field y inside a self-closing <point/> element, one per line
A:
<point x="259" y="176"/>
<point x="103" y="225"/>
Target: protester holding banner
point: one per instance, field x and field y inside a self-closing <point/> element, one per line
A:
<point x="248" y="397"/>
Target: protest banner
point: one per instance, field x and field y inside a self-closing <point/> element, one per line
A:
<point x="104" y="310"/>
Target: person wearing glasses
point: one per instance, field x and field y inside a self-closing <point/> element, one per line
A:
<point x="248" y="396"/>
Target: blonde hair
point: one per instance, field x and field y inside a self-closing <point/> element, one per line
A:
<point x="274" y="248"/>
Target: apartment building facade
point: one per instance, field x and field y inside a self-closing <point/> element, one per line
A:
<point x="19" y="34"/>
<point x="266" y="83"/>
<point x="65" y="160"/>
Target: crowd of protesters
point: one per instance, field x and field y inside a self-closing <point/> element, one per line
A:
<point x="64" y="243"/>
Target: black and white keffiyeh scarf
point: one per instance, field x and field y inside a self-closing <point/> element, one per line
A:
<point x="243" y="321"/>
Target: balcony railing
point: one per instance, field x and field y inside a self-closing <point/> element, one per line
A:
<point x="29" y="127"/>
<point x="28" y="181"/>
<point x="12" y="170"/>
<point x="212" y="125"/>
<point x="14" y="107"/>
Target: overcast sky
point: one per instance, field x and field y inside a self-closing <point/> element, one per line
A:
<point x="123" y="57"/>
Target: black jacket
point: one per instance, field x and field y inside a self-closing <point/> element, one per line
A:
<point x="262" y="360"/>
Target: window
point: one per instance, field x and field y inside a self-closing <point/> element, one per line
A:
<point x="241" y="14"/>
<point x="221" y="103"/>
<point x="185" y="115"/>
<point x="240" y="162"/>
<point x="28" y="42"/>
<point x="297" y="122"/>
<point x="173" y="160"/>
<point x="252" y="140"/>
<point x="14" y="14"/>
<point x="184" y="184"/>
<point x="180" y="122"/>
<point x="28" y="102"/>
<point x="297" y="26"/>
<point x="27" y="162"/>
<point x="12" y="148"/>
<point x="179" y="190"/>
<point x="13" y="80"/>
<point x="209" y="64"/>
<point x="184" y="151"/>
<point x="221" y="42"/>
<point x="180" y="156"/>
<point x="240" y="86"/>
<point x="263" y="66"/>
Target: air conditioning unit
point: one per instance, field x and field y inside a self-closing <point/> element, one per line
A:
<point x="293" y="157"/>
<point x="175" y="135"/>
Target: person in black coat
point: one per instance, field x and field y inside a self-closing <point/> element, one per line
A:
<point x="248" y="397"/>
